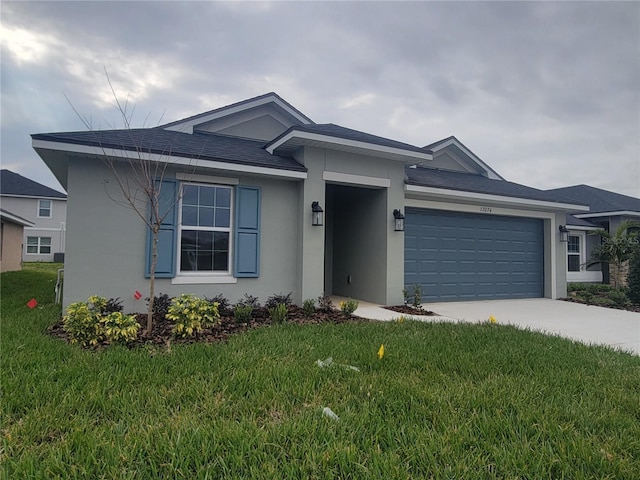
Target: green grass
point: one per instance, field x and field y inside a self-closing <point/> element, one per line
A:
<point x="48" y="267"/>
<point x="446" y="401"/>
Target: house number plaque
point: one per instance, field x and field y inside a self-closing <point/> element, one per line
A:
<point x="485" y="209"/>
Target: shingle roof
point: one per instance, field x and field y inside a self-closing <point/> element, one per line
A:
<point x="430" y="177"/>
<point x="14" y="184"/>
<point x="600" y="201"/>
<point x="337" y="131"/>
<point x="12" y="217"/>
<point x="200" y="145"/>
<point x="579" y="222"/>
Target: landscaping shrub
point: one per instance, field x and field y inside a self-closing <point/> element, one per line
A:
<point x="634" y="277"/>
<point x="82" y="322"/>
<point x="309" y="307"/>
<point x="161" y="304"/>
<point x="191" y="315"/>
<point x="324" y="303"/>
<point x="120" y="328"/>
<point x="280" y="299"/>
<point x="347" y="307"/>
<point x="278" y="313"/>
<point x="249" y="300"/>
<point x="112" y="305"/>
<point x="242" y="313"/>
<point x="224" y="307"/>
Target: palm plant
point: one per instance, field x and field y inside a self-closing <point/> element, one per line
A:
<point x="616" y="248"/>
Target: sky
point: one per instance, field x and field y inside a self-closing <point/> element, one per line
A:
<point x="546" y="93"/>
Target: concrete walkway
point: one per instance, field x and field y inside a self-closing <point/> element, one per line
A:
<point x="591" y="325"/>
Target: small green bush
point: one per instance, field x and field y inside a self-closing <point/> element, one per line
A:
<point x="619" y="297"/>
<point x="278" y="314"/>
<point x="309" y="307"/>
<point x="634" y="277"/>
<point x="82" y="322"/>
<point x="347" y="307"/>
<point x="120" y="328"/>
<point x="275" y="300"/>
<point x="224" y="307"/>
<point x="324" y="303"/>
<point x="191" y="315"/>
<point x="242" y="313"/>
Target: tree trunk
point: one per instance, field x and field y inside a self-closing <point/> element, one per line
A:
<point x="152" y="279"/>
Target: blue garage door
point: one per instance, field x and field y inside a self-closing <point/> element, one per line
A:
<point x="458" y="256"/>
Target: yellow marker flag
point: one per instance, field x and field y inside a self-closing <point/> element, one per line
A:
<point x="381" y="352"/>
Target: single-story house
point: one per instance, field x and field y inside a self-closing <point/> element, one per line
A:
<point x="11" y="232"/>
<point x="245" y="185"/>
<point x="45" y="209"/>
<point x="607" y="210"/>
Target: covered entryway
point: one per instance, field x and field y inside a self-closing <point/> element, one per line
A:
<point x="462" y="256"/>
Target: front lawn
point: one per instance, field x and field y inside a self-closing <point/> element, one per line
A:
<point x="445" y="401"/>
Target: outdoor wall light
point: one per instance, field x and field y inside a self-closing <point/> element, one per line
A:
<point x="564" y="233"/>
<point x="316" y="214"/>
<point x="398" y="220"/>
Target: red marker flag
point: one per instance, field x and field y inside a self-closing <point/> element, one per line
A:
<point x="32" y="303"/>
<point x="137" y="295"/>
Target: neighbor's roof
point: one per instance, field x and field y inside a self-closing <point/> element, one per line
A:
<point x="600" y="201"/>
<point x="16" y="185"/>
<point x="468" y="182"/>
<point x="12" y="217"/>
<point x="197" y="145"/>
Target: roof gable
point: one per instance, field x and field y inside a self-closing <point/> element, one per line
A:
<point x="14" y="184"/>
<point x="260" y="118"/>
<point x="451" y="154"/>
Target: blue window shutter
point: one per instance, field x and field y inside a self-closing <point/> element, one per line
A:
<point x="247" y="232"/>
<point x="167" y="244"/>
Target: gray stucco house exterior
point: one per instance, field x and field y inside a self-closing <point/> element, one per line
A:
<point x="243" y="179"/>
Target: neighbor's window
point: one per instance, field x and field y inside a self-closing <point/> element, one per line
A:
<point x="205" y="228"/>
<point x="44" y="208"/>
<point x="573" y="253"/>
<point x="38" y="245"/>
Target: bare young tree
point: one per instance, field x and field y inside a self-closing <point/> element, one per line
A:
<point x="139" y="176"/>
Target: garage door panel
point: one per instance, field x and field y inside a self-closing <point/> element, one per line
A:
<point x="457" y="256"/>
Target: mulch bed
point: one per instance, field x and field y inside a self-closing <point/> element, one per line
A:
<point x="409" y="310"/>
<point x="162" y="328"/>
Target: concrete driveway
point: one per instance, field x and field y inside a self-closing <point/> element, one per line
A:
<point x="587" y="324"/>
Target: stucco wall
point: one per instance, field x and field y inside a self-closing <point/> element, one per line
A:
<point x="106" y="242"/>
<point x="11" y="247"/>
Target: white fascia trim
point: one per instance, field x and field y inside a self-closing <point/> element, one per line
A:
<point x="492" y="198"/>
<point x="36" y="197"/>
<point x="187" y="126"/>
<point x="607" y="214"/>
<point x="194" y="177"/>
<point x="44" y="229"/>
<point x="15" y="219"/>
<point x="347" y="143"/>
<point x="154" y="157"/>
<point x="356" y="179"/>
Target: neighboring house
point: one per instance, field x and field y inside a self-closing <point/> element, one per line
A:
<point x="606" y="211"/>
<point x="44" y="207"/>
<point x="245" y="182"/>
<point x="11" y="234"/>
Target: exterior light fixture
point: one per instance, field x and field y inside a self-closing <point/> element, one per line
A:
<point x="564" y="233"/>
<point x="316" y="214"/>
<point x="398" y="220"/>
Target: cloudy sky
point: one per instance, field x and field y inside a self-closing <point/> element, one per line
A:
<point x="547" y="93"/>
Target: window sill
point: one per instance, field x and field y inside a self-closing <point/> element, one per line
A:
<point x="204" y="279"/>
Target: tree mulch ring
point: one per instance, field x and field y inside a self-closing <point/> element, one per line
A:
<point x="162" y="333"/>
<point x="409" y="310"/>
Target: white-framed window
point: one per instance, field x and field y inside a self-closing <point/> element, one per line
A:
<point x="44" y="208"/>
<point x="38" y="245"/>
<point x="575" y="252"/>
<point x="204" y="229"/>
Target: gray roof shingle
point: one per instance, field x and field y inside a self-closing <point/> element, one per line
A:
<point x="600" y="201"/>
<point x="199" y="145"/>
<point x="430" y="177"/>
<point x="12" y="183"/>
